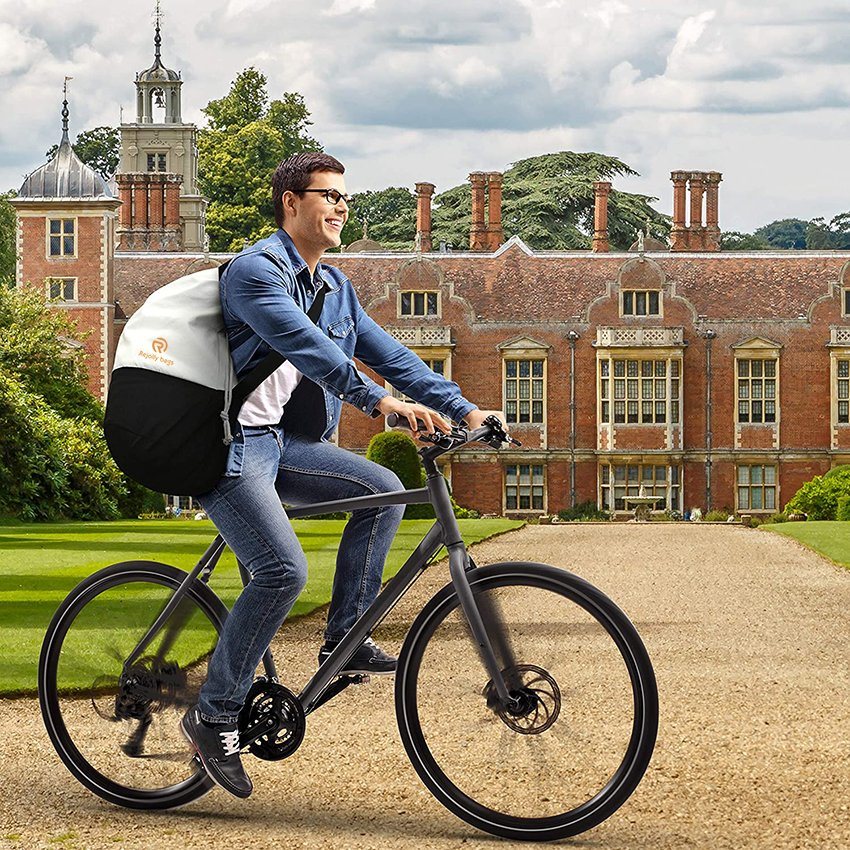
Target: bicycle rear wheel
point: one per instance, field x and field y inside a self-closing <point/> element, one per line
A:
<point x="116" y="727"/>
<point x="580" y="735"/>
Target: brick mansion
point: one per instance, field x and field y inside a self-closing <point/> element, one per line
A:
<point x="702" y="378"/>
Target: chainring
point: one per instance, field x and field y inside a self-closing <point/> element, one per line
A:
<point x="265" y="700"/>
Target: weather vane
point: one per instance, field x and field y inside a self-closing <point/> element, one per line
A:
<point x="65" y="112"/>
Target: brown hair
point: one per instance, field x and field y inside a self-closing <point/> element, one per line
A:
<point x="293" y="175"/>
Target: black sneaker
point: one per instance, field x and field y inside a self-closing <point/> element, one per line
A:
<point x="369" y="659"/>
<point x="218" y="749"/>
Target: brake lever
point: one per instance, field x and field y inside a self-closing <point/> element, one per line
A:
<point x="501" y="435"/>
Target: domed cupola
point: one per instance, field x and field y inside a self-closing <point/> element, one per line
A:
<point x="158" y="87"/>
<point x="66" y="175"/>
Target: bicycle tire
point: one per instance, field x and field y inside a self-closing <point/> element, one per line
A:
<point x="147" y="577"/>
<point x="602" y="622"/>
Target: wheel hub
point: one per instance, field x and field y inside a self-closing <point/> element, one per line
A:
<point x="535" y="699"/>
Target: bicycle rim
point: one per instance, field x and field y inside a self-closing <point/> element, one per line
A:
<point x="117" y="728"/>
<point x="576" y="747"/>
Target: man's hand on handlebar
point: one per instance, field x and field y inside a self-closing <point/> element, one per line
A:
<point x="475" y="418"/>
<point x="430" y="418"/>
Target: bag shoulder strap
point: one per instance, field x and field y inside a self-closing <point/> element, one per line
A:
<point x="272" y="361"/>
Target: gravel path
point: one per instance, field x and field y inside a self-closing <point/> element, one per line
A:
<point x="748" y="634"/>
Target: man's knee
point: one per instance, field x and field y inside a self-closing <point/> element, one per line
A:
<point x="281" y="574"/>
<point x="385" y="480"/>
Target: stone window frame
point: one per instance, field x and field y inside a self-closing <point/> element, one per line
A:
<point x="63" y="280"/>
<point x="160" y="158"/>
<point x="757" y="349"/>
<point x="519" y="349"/>
<point x="63" y="255"/>
<point x="414" y="315"/>
<point x="839" y="360"/>
<point x="673" y="470"/>
<point x="763" y="486"/>
<point x="672" y="388"/>
<point x="845" y="301"/>
<point x="648" y="315"/>
<point x="532" y="486"/>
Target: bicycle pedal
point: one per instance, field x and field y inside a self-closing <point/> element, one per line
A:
<point x="358" y="678"/>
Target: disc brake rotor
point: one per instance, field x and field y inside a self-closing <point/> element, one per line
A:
<point x="535" y="699"/>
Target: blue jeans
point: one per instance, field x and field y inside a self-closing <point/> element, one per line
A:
<point x="265" y="467"/>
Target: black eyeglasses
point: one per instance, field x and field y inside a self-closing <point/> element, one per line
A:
<point x="332" y="196"/>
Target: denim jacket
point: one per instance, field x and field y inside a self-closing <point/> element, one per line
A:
<point x="266" y="291"/>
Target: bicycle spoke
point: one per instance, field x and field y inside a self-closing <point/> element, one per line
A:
<point x="124" y="719"/>
<point x="569" y="733"/>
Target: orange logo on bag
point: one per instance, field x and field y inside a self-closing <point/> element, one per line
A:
<point x="159" y="345"/>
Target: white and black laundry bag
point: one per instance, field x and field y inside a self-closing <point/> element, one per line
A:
<point x="168" y="410"/>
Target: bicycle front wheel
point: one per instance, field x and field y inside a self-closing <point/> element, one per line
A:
<point x="116" y="725"/>
<point x="577" y="739"/>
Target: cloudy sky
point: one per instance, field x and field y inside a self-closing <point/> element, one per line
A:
<point x="407" y="90"/>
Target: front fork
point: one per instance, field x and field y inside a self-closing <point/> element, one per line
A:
<point x="486" y="624"/>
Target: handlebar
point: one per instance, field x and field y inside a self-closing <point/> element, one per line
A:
<point x="492" y="432"/>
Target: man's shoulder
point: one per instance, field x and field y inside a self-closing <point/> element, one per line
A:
<point x="266" y="254"/>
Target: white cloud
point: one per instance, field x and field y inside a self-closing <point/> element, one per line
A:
<point x="433" y="89"/>
<point x="345" y="7"/>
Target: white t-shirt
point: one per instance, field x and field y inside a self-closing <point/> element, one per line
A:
<point x="265" y="405"/>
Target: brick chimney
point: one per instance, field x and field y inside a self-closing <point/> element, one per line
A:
<point x="601" y="190"/>
<point x="478" y="237"/>
<point x="696" y="229"/>
<point x="712" y="225"/>
<point x="495" y="233"/>
<point x="424" y="192"/>
<point x="679" y="235"/>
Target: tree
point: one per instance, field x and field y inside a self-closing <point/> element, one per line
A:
<point x="246" y="138"/>
<point x="53" y="458"/>
<point x="100" y="149"/>
<point x="389" y="216"/>
<point x="548" y="202"/>
<point x="733" y="240"/>
<point x="787" y="233"/>
<point x="36" y="350"/>
<point x="834" y="236"/>
<point x="7" y="240"/>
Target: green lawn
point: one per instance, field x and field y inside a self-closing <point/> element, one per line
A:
<point x="40" y="563"/>
<point x="831" y="539"/>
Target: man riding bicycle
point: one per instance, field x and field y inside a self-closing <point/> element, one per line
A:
<point x="281" y="453"/>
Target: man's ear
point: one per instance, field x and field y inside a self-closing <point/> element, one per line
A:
<point x="289" y="208"/>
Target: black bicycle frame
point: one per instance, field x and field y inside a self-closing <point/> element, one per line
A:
<point x="444" y="532"/>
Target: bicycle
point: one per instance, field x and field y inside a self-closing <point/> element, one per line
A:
<point x="530" y="665"/>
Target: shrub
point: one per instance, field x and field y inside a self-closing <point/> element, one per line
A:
<point x="818" y="498"/>
<point x="774" y="518"/>
<point x="583" y="512"/>
<point x="756" y="521"/>
<point x="397" y="451"/>
<point x="139" y="500"/>
<point x="716" y="516"/>
<point x="53" y="467"/>
<point x="842" y="511"/>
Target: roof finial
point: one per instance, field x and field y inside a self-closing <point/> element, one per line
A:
<point x="157" y="39"/>
<point x="65" y="112"/>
